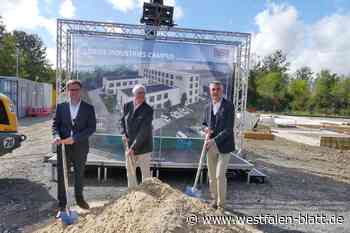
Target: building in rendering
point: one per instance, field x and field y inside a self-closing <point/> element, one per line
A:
<point x="187" y="82"/>
<point x="111" y="84"/>
<point x="158" y="96"/>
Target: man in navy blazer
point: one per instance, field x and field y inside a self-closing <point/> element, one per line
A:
<point x="73" y="124"/>
<point x="218" y="120"/>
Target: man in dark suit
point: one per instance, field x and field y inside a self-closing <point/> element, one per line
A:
<point x="136" y="125"/>
<point x="218" y="122"/>
<point x="73" y="124"/>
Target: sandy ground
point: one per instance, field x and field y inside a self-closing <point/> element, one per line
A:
<point x="154" y="206"/>
<point x="301" y="180"/>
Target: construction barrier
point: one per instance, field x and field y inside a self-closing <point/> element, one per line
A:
<point x="34" y="112"/>
<point x="337" y="128"/>
<point x="27" y="94"/>
<point x="342" y="143"/>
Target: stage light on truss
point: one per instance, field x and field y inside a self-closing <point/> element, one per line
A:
<point x="160" y="2"/>
<point x="166" y="15"/>
<point x="157" y="14"/>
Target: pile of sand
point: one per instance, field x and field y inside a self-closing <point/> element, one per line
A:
<point x="152" y="207"/>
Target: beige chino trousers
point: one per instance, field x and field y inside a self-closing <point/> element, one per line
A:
<point x="142" y="161"/>
<point x="217" y="166"/>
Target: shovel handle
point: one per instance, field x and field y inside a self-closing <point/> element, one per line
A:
<point x="65" y="174"/>
<point x="130" y="163"/>
<point x="204" y="150"/>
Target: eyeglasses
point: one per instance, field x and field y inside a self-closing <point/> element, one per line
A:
<point x="75" y="89"/>
<point x="140" y="93"/>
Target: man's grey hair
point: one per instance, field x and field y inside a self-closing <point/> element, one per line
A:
<point x="216" y="82"/>
<point x="138" y="87"/>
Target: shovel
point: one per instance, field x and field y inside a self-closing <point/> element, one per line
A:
<point x="193" y="191"/>
<point x="130" y="162"/>
<point x="68" y="216"/>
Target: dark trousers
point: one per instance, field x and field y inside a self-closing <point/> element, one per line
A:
<point x="77" y="156"/>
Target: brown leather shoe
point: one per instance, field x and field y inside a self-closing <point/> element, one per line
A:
<point x="83" y="204"/>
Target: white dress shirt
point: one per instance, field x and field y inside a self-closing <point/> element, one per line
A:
<point x="74" y="109"/>
<point x="216" y="106"/>
<point x="136" y="106"/>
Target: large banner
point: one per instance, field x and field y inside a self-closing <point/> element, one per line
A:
<point x="176" y="76"/>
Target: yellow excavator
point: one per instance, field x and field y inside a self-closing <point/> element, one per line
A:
<point x="9" y="137"/>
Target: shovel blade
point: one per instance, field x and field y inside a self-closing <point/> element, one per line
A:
<point x="193" y="192"/>
<point x="68" y="218"/>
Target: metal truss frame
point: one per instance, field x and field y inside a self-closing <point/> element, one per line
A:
<point x="67" y="29"/>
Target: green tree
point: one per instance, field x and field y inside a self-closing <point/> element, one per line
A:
<point x="48" y="75"/>
<point x="299" y="91"/>
<point x="2" y="30"/>
<point x="276" y="62"/>
<point x="304" y="73"/>
<point x="34" y="52"/>
<point x="323" y="100"/>
<point x="8" y="56"/>
<point x="253" y="96"/>
<point x="341" y="94"/>
<point x="267" y="83"/>
<point x="7" y="52"/>
<point x="272" y="87"/>
<point x="32" y="62"/>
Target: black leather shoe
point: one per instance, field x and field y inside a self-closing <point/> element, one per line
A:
<point x="83" y="204"/>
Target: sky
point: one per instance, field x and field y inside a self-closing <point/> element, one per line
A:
<point x="312" y="33"/>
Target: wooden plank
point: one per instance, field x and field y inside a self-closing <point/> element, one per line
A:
<point x="338" y="128"/>
<point x="342" y="143"/>
<point x="259" y="135"/>
<point x="309" y="126"/>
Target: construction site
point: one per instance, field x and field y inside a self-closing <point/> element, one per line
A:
<point x="286" y="172"/>
<point x="300" y="178"/>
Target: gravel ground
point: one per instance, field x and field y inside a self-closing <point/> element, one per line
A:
<point x="301" y="180"/>
<point x="27" y="193"/>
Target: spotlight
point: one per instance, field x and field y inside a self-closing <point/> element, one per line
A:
<point x="156" y="13"/>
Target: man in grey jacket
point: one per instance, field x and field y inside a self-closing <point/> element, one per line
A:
<point x="136" y="125"/>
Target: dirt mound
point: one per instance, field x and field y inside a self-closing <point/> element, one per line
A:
<point x="151" y="207"/>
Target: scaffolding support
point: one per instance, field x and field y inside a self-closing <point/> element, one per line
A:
<point x="66" y="64"/>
